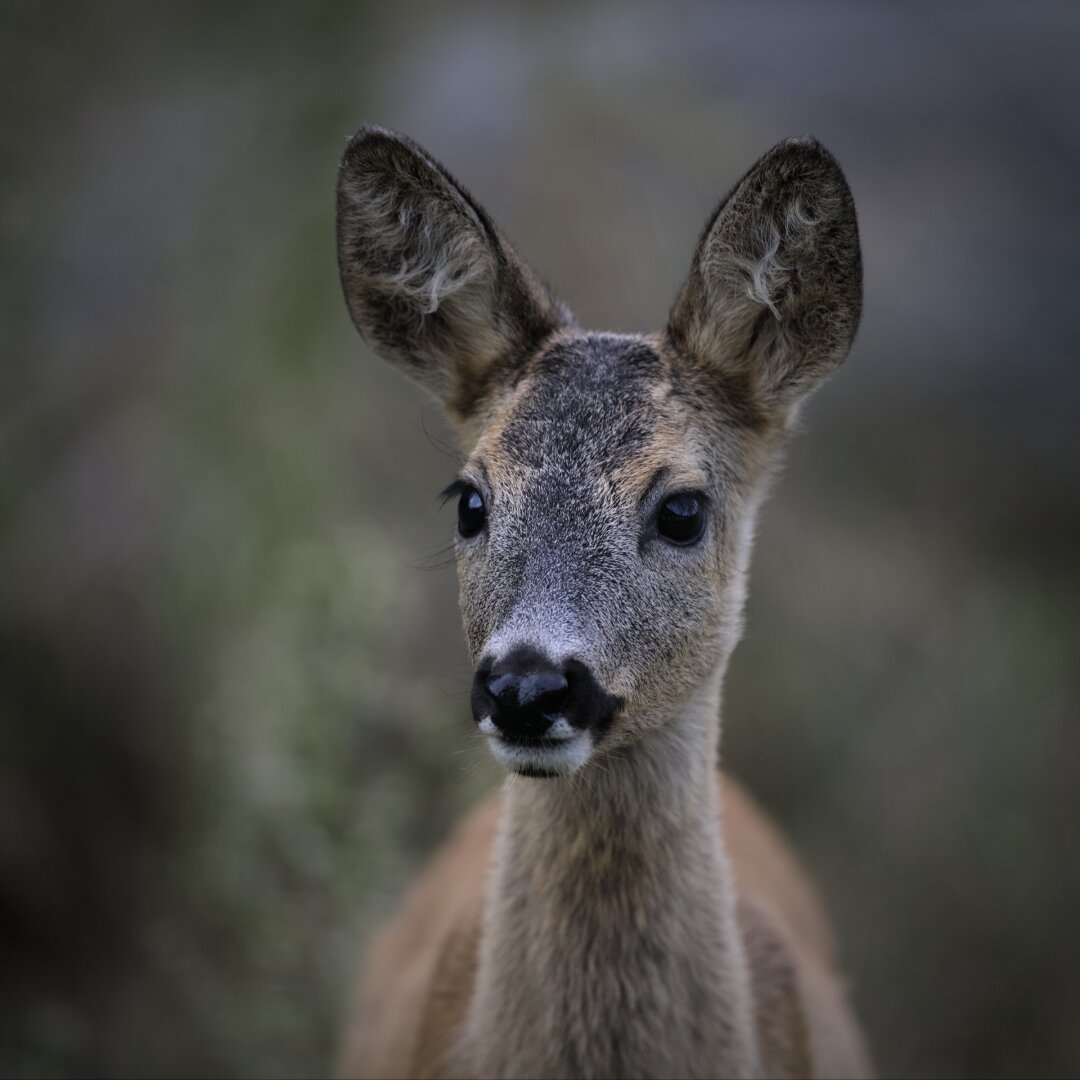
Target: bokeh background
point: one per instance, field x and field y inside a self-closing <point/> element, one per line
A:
<point x="233" y="699"/>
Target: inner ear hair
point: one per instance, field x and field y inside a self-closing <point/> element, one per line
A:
<point x="429" y="281"/>
<point x="774" y="293"/>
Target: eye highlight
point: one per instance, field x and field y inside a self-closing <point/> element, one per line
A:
<point x="471" y="512"/>
<point x="681" y="518"/>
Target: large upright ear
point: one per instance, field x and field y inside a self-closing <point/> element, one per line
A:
<point x="429" y="281"/>
<point x="775" y="290"/>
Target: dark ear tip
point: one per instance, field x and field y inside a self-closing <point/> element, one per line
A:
<point x="801" y="147"/>
<point x="368" y="141"/>
<point x="805" y="157"/>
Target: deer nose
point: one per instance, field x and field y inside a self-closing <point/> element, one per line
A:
<point x="523" y="696"/>
<point x="519" y="696"/>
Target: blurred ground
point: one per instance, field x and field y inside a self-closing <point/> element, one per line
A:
<point x="232" y="689"/>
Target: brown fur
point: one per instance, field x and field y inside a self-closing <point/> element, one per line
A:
<point x="420" y="976"/>
<point x="614" y="922"/>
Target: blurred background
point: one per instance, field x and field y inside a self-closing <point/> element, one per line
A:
<point x="233" y="694"/>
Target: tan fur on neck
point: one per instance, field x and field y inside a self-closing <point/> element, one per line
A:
<point x="421" y="975"/>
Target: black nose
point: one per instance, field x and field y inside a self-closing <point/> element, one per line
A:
<point x="524" y="693"/>
<point x="527" y="702"/>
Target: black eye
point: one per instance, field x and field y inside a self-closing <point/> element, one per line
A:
<point x="682" y="519"/>
<point x="471" y="514"/>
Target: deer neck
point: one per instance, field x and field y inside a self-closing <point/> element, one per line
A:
<point x="610" y="946"/>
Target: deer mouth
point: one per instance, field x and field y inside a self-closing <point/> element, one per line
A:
<point x="559" y="752"/>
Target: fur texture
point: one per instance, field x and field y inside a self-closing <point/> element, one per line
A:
<point x="613" y="938"/>
<point x="775" y="290"/>
<point x="428" y="279"/>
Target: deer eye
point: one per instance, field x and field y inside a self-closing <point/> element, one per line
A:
<point x="471" y="513"/>
<point x="681" y="519"/>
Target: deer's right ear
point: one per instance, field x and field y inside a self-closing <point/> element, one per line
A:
<point x="429" y="281"/>
<point x="775" y="288"/>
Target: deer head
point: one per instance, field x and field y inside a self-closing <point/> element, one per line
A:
<point x="607" y="500"/>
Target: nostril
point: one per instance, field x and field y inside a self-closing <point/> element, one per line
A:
<point x="502" y="687"/>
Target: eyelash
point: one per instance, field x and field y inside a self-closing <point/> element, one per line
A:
<point x="453" y="490"/>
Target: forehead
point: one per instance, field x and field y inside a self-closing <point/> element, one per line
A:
<point x="600" y="403"/>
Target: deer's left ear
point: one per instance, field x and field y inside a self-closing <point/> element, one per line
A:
<point x="429" y="281"/>
<point x="775" y="289"/>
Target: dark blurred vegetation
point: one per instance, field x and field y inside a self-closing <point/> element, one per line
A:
<point x="232" y="695"/>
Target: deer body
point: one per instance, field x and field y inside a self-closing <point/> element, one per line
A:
<point x="632" y="914"/>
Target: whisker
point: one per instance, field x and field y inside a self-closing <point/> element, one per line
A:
<point x="436" y="560"/>
<point x="445" y="448"/>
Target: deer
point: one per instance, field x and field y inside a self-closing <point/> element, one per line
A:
<point x="621" y="908"/>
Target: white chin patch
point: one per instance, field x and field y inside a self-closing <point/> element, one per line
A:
<point x="562" y="755"/>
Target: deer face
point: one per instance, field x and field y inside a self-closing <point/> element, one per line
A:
<point x="597" y="549"/>
<point x="606" y="504"/>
